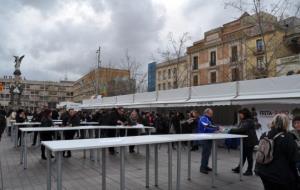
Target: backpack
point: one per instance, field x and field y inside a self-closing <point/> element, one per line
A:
<point x="264" y="154"/>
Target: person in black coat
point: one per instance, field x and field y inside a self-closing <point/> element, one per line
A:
<point x="20" y="118"/>
<point x="132" y="121"/>
<point x="117" y="117"/>
<point x="246" y="127"/>
<point x="46" y="121"/>
<point x="73" y="120"/>
<point x="281" y="172"/>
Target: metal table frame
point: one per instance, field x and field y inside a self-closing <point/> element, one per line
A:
<point x="24" y="131"/>
<point x="122" y="162"/>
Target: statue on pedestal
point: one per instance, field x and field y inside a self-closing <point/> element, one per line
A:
<point x="17" y="87"/>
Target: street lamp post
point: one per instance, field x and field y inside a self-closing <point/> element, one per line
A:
<point x="97" y="70"/>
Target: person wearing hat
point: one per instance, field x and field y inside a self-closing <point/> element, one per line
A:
<point x="246" y="127"/>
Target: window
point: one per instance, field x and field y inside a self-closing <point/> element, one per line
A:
<point x="164" y="75"/>
<point x="195" y="63"/>
<point x="259" y="45"/>
<point x="174" y="72"/>
<point x="212" y="59"/>
<point x="52" y="93"/>
<point x="169" y="73"/>
<point x="175" y="84"/>
<point x="195" y="80"/>
<point x="234" y="54"/>
<point x="260" y="63"/>
<point x="235" y="74"/>
<point x="164" y="86"/>
<point x="169" y="85"/>
<point x="213" y="77"/>
<point x="159" y="75"/>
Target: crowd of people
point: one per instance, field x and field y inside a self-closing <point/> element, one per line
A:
<point x="280" y="173"/>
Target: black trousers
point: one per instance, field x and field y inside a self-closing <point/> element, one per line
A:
<point x="269" y="185"/>
<point x="132" y="132"/>
<point x="45" y="136"/>
<point x="248" y="155"/>
<point x="111" y="133"/>
<point x="35" y="134"/>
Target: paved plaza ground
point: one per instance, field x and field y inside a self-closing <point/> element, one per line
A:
<point x="79" y="173"/>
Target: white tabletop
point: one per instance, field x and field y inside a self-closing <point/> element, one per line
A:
<point x="27" y="123"/>
<point x="133" y="140"/>
<point x="89" y="123"/>
<point x="55" y="128"/>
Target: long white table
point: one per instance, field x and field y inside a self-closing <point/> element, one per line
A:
<point x="15" y="127"/>
<point x="59" y="146"/>
<point x="25" y="130"/>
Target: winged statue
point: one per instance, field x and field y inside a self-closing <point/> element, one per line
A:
<point x="18" y="61"/>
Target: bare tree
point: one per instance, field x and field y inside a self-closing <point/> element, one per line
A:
<point x="264" y="22"/>
<point x="173" y="54"/>
<point x="136" y="75"/>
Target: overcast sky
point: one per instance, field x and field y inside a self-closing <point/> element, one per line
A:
<point x="60" y="37"/>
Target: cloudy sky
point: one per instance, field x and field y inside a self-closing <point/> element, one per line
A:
<point x="60" y="37"/>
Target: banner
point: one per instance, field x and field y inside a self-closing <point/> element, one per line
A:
<point x="265" y="114"/>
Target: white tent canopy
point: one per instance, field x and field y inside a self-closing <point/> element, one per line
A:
<point x="272" y="90"/>
<point x="279" y="90"/>
<point x="68" y="105"/>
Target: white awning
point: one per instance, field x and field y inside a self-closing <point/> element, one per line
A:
<point x="279" y="90"/>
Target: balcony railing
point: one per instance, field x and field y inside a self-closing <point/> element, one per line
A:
<point x="259" y="51"/>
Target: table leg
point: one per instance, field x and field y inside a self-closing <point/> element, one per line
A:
<point x="91" y="136"/>
<point x="213" y="163"/>
<point x="85" y="136"/>
<point x="98" y="150"/>
<point x="25" y="150"/>
<point x="59" y="170"/>
<point x="103" y="169"/>
<point x="216" y="160"/>
<point x="178" y="165"/>
<point x="189" y="160"/>
<point x="22" y="148"/>
<point x="61" y="135"/>
<point x="16" y="135"/>
<point x="170" y="166"/>
<point x="241" y="158"/>
<point x="156" y="164"/>
<point x="48" y="170"/>
<point x="55" y="135"/>
<point x="147" y="164"/>
<point x="122" y="168"/>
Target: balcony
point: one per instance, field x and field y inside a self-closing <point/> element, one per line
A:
<point x="259" y="51"/>
<point x="212" y="63"/>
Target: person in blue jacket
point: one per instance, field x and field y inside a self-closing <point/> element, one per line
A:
<point x="205" y="125"/>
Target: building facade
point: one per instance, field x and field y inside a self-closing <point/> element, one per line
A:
<point x="110" y="82"/>
<point x="37" y="94"/>
<point x="238" y="50"/>
<point x="172" y="74"/>
<point x="151" y="76"/>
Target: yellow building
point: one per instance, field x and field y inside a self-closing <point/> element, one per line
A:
<point x="107" y="81"/>
<point x="264" y="45"/>
<point x="246" y="48"/>
<point x="172" y="74"/>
